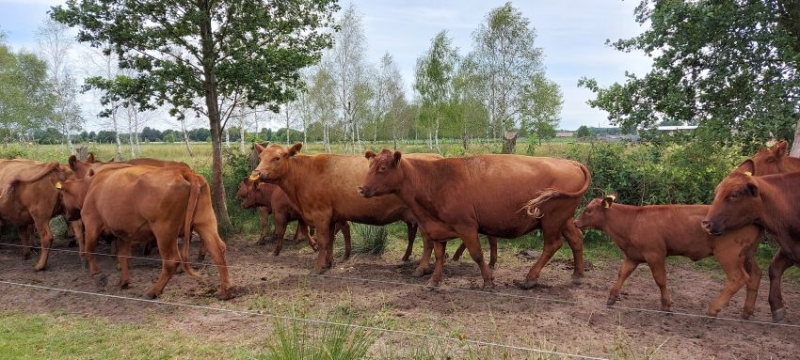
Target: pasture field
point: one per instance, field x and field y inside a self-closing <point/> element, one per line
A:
<point x="371" y="306"/>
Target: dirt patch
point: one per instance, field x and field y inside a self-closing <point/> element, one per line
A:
<point x="382" y="292"/>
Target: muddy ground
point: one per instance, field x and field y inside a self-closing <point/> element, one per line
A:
<point x="557" y="317"/>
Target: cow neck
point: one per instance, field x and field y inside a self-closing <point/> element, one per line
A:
<point x="620" y="228"/>
<point x="290" y="183"/>
<point x="774" y="185"/>
<point x="415" y="181"/>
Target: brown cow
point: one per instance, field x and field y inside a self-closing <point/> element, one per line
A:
<point x="771" y="161"/>
<point x="139" y="203"/>
<point x="769" y="201"/>
<point x="488" y="194"/>
<point x="270" y="196"/>
<point x="27" y="197"/>
<point x="648" y="234"/>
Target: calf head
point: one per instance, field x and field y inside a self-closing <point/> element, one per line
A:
<point x="246" y="194"/>
<point x="73" y="192"/>
<point x="594" y="214"/>
<point x="81" y="168"/>
<point x="384" y="175"/>
<point x="273" y="161"/>
<point x="771" y="161"/>
<point x="737" y="203"/>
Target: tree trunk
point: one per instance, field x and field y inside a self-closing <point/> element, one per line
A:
<point x="217" y="186"/>
<point x="116" y="134"/>
<point x="795" y="152"/>
<point x="186" y="138"/>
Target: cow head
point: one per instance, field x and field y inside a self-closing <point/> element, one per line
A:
<point x="594" y="214"/>
<point x="737" y="203"/>
<point x="246" y="193"/>
<point x="81" y="168"/>
<point x="768" y="161"/>
<point x="384" y="175"/>
<point x="273" y="161"/>
<point x="73" y="192"/>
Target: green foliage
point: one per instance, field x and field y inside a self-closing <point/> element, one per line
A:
<point x="25" y="98"/>
<point x="370" y="240"/>
<point x="730" y="66"/>
<point x="582" y="132"/>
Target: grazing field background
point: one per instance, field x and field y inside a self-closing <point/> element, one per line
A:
<point x="371" y="306"/>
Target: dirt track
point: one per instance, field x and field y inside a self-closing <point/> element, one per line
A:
<point x="378" y="291"/>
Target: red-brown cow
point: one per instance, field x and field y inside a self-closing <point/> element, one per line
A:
<point x="270" y="196"/>
<point x="648" y="234"/>
<point x="140" y="203"/>
<point x="27" y="197"/>
<point x="769" y="201"/>
<point x="498" y="195"/>
<point x="771" y="161"/>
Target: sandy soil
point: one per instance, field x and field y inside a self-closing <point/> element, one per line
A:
<point x="381" y="292"/>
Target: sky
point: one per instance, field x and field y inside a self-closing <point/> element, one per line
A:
<point x="571" y="33"/>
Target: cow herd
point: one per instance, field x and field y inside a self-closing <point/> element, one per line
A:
<point x="500" y="196"/>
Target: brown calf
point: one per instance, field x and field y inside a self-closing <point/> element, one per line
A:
<point x="648" y="234"/>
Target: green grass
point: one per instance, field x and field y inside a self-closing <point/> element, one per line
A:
<point x="36" y="336"/>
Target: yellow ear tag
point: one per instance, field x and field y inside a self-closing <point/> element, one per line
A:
<point x="607" y="204"/>
<point x="253" y="177"/>
<point x="748" y="173"/>
<point x="58" y="185"/>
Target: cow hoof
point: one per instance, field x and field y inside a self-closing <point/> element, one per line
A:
<point x="432" y="285"/>
<point x="124" y="285"/>
<point x="318" y="271"/>
<point x="276" y="253"/>
<point x="488" y="286"/>
<point x="262" y="241"/>
<point x="778" y="315"/>
<point x="39" y="267"/>
<point x="577" y="280"/>
<point x="422" y="271"/>
<point x="610" y="302"/>
<point x="150" y="295"/>
<point x="224" y="295"/>
<point x="529" y="284"/>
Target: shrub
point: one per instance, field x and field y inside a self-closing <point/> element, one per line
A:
<point x="370" y="240"/>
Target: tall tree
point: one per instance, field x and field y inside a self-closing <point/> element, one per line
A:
<point x="468" y="111"/>
<point x="730" y="66"/>
<point x="434" y="74"/>
<point x="247" y="50"/>
<point x="504" y="49"/>
<point x="347" y="68"/>
<point x="54" y="45"/>
<point x="540" y="107"/>
<point x="323" y="100"/>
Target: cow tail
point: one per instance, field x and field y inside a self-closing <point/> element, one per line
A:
<point x="532" y="206"/>
<point x="191" y="209"/>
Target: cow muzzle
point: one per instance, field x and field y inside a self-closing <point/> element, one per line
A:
<point x="711" y="227"/>
<point x="365" y="192"/>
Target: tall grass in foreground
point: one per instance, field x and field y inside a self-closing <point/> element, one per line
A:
<point x="300" y="340"/>
<point x="370" y="240"/>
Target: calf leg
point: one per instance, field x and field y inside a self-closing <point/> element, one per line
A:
<point x="46" y="238"/>
<point x="216" y="249"/>
<point x="492" y="251"/>
<point x="90" y="236"/>
<point x="779" y="264"/>
<point x="474" y="248"/>
<point x="625" y="270"/>
<point x="753" y="281"/>
<point x="574" y="238"/>
<point x="344" y="227"/>
<point x="302" y="227"/>
<point x="26" y="235"/>
<point x="77" y="230"/>
<point x="264" y="214"/>
<point x="436" y="277"/>
<point x="657" y="267"/>
<point x="732" y="261"/>
<point x="170" y="260"/>
<point x="325" y="242"/>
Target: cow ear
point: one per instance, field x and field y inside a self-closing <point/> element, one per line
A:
<point x="780" y="148"/>
<point x="259" y="148"/>
<point x="608" y="201"/>
<point x="90" y="158"/>
<point x="295" y="149"/>
<point x="370" y="154"/>
<point x="748" y="166"/>
<point x="72" y="161"/>
<point x="752" y="189"/>
<point x="397" y="157"/>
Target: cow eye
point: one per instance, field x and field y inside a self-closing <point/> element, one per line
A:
<point x="276" y="158"/>
<point x="734" y="195"/>
<point x="382" y="169"/>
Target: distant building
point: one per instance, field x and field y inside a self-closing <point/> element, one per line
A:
<point x="564" y="134"/>
<point x="675" y="129"/>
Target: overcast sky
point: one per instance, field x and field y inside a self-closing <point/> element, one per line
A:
<point x="572" y="34"/>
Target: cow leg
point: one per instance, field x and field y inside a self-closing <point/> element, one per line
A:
<point x="90" y="236"/>
<point x="574" y="238"/>
<point x="731" y="258"/>
<point x="424" y="261"/>
<point x="625" y="270"/>
<point x="281" y="221"/>
<point x="459" y="251"/>
<point x="657" y="267"/>
<point x="46" y="238"/>
<point x="344" y="227"/>
<point x="77" y="230"/>
<point x="552" y="242"/>
<point x="753" y="282"/>
<point x="264" y="212"/>
<point x="26" y="235"/>
<point x="492" y="251"/>
<point x="303" y="229"/>
<point x="438" y="247"/>
<point x="170" y="260"/>
<point x="216" y="249"/>
<point x="473" y="244"/>
<point x="123" y="258"/>
<point x="412" y="234"/>
<point x="325" y="242"/>
<point x="780" y="262"/>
